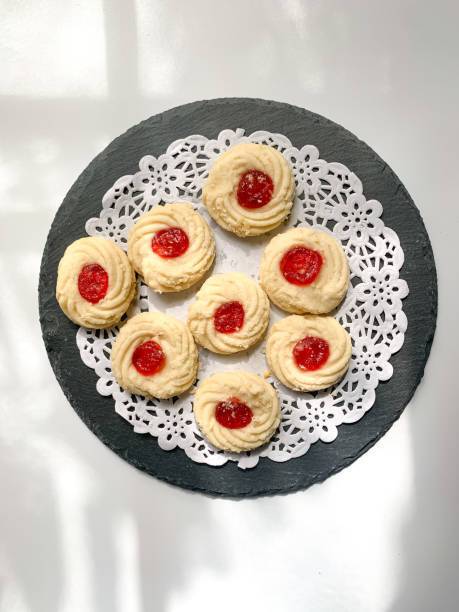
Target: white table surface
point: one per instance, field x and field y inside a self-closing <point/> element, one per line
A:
<point x="81" y="530"/>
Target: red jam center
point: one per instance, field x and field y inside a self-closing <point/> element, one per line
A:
<point x="301" y="266"/>
<point x="170" y="242"/>
<point x="229" y="317"/>
<point x="255" y="189"/>
<point x="311" y="353"/>
<point x="92" y="283"/>
<point x="233" y="414"/>
<point x="148" y="358"/>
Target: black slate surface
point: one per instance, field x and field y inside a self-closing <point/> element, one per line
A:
<point x="335" y="144"/>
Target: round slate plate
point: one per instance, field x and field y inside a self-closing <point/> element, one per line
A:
<point x="335" y="144"/>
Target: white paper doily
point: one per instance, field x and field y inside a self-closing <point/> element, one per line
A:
<point x="328" y="196"/>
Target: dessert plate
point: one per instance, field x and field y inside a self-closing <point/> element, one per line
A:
<point x="301" y="127"/>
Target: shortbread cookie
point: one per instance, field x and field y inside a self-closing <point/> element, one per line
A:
<point x="95" y="283"/>
<point x="249" y="190"/>
<point x="155" y="355"/>
<point x="171" y="247"/>
<point x="308" y="353"/>
<point x="230" y="313"/>
<point x="236" y="411"/>
<point x="304" y="271"/>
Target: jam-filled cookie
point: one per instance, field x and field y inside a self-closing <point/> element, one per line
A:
<point x="171" y="247"/>
<point x="236" y="411"/>
<point x="95" y="283"/>
<point x="308" y="353"/>
<point x="304" y="271"/>
<point x="249" y="190"/>
<point x="230" y="313"/>
<point x="155" y="355"/>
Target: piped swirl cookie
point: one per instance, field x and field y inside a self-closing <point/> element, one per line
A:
<point x="308" y="353"/>
<point x="171" y="247"/>
<point x="249" y="190"/>
<point x="155" y="355"/>
<point x="230" y="313"/>
<point x="95" y="283"/>
<point x="304" y="271"/>
<point x="236" y="411"/>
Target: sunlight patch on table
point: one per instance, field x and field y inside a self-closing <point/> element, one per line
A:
<point x="71" y="62"/>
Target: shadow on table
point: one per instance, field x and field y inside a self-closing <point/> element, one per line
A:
<point x="75" y="539"/>
<point x="429" y="541"/>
